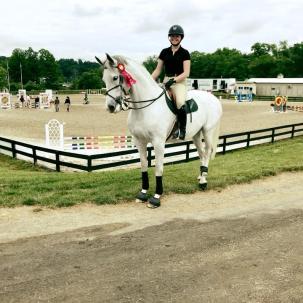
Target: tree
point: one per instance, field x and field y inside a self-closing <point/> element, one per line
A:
<point x="296" y="59"/>
<point x="16" y="60"/>
<point x="150" y="63"/>
<point x="261" y="49"/>
<point x="90" y="80"/>
<point x="3" y="78"/>
<point x="49" y="72"/>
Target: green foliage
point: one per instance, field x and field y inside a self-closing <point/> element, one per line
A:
<point x="40" y="69"/>
<point x="265" y="60"/>
<point x="3" y="78"/>
<point x="21" y="183"/>
<point x="87" y="80"/>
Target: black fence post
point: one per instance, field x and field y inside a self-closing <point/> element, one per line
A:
<point x="224" y="146"/>
<point x="149" y="156"/>
<point x="14" y="150"/>
<point x="293" y="131"/>
<point x="248" y="140"/>
<point x="187" y="152"/>
<point x="34" y="155"/>
<point x="89" y="164"/>
<point x="273" y="135"/>
<point x="57" y="161"/>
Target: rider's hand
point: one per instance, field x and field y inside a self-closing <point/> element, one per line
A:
<point x="169" y="83"/>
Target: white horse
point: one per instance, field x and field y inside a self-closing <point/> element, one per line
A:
<point x="151" y="121"/>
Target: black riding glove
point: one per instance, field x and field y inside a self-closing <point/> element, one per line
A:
<point x="169" y="83"/>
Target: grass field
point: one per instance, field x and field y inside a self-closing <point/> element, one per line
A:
<point x="21" y="183"/>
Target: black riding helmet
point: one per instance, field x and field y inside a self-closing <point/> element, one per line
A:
<point x="176" y="30"/>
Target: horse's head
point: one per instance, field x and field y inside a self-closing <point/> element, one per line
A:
<point x="117" y="84"/>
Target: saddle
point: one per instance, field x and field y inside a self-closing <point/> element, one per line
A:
<point x="190" y="107"/>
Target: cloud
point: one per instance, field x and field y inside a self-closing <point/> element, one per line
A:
<point x="81" y="29"/>
<point x="82" y="11"/>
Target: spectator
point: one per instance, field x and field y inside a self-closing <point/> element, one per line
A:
<point x="86" y="98"/>
<point x="57" y="102"/>
<point x="67" y="102"/>
<point x="22" y="100"/>
<point x="37" y="101"/>
<point x="28" y="101"/>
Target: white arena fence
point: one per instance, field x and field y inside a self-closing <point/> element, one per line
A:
<point x="174" y="152"/>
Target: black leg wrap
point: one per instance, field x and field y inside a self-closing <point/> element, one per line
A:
<point x="159" y="186"/>
<point x="203" y="169"/>
<point x="182" y="122"/>
<point x="145" y="182"/>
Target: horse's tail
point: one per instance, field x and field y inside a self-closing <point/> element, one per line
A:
<point x="215" y="140"/>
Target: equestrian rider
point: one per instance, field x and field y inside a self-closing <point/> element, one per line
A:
<point x="176" y="62"/>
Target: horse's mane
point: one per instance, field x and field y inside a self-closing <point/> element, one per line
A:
<point x="134" y="65"/>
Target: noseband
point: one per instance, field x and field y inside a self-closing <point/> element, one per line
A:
<point x="121" y="100"/>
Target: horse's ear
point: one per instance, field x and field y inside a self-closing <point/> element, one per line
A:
<point x="110" y="59"/>
<point x="98" y="60"/>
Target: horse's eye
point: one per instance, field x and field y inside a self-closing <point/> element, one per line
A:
<point x="115" y="78"/>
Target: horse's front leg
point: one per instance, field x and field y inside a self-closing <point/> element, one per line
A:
<point x="204" y="155"/>
<point x="159" y="148"/>
<point x="142" y="148"/>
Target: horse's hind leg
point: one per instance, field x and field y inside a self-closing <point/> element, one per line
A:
<point x="142" y="148"/>
<point x="204" y="151"/>
<point x="203" y="165"/>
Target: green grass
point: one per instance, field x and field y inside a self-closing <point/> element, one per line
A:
<point x="21" y="183"/>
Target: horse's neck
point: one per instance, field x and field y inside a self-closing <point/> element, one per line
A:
<point x="155" y="117"/>
<point x="147" y="113"/>
<point x="146" y="89"/>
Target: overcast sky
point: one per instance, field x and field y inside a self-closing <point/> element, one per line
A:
<point x="81" y="29"/>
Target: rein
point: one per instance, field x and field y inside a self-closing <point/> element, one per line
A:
<point x="123" y="101"/>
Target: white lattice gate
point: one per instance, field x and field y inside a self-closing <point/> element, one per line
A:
<point x="54" y="134"/>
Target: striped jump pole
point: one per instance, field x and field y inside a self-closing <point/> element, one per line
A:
<point x="98" y="142"/>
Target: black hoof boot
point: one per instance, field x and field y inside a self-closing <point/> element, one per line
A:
<point x="141" y="197"/>
<point x="153" y="202"/>
<point x="176" y="134"/>
<point x="203" y="186"/>
<point x="182" y="134"/>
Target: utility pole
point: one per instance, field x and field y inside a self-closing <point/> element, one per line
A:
<point x="21" y="75"/>
<point x="8" y="82"/>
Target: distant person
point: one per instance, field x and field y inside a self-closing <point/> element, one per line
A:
<point x="37" y="101"/>
<point x="22" y="100"/>
<point x="86" y="98"/>
<point x="57" y="103"/>
<point x="67" y="103"/>
<point x="195" y="85"/>
<point x="28" y="101"/>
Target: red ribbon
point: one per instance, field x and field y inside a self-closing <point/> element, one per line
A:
<point x="127" y="77"/>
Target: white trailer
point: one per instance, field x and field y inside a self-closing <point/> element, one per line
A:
<point x="212" y="85"/>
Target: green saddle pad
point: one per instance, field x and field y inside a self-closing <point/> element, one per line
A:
<point x="190" y="105"/>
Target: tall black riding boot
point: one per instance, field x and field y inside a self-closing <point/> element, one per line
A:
<point x="182" y="122"/>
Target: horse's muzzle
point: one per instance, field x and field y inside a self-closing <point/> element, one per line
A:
<point x="111" y="108"/>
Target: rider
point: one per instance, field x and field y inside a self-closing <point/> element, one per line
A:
<point x="176" y="62"/>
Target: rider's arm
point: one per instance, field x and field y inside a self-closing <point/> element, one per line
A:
<point x="186" y="71"/>
<point x="156" y="73"/>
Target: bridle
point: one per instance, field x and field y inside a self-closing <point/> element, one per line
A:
<point x="124" y="100"/>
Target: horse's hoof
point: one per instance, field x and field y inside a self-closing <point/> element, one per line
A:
<point x="203" y="186"/>
<point x="153" y="202"/>
<point x="141" y="197"/>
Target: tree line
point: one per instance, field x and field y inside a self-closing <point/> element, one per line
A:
<point x="40" y="69"/>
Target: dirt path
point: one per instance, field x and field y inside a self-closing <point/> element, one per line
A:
<point x="243" y="244"/>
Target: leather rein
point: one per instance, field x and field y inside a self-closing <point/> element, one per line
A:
<point x="124" y="101"/>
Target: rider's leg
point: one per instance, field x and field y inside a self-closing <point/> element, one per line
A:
<point x="180" y="91"/>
